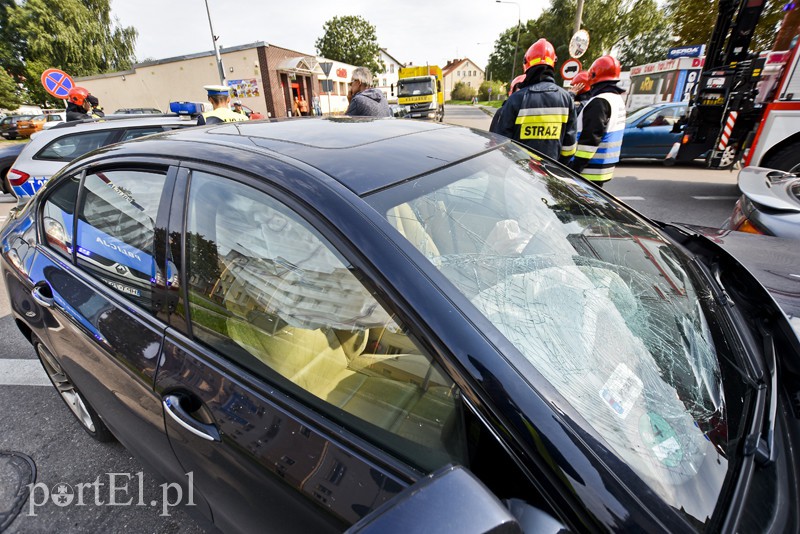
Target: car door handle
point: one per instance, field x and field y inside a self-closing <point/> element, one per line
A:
<point x="42" y="300"/>
<point x="173" y="408"/>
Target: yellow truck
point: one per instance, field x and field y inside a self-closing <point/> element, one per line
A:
<point x="419" y="92"/>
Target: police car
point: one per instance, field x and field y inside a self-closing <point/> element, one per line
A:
<point x="50" y="150"/>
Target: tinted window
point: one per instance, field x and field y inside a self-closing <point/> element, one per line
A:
<point x="140" y="132"/>
<point x="267" y="289"/>
<point x="116" y="230"/>
<point x="70" y="147"/>
<point x="57" y="216"/>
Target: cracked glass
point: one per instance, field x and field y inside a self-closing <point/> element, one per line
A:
<point x="597" y="302"/>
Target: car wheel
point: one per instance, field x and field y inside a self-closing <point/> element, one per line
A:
<point x="72" y="397"/>
<point x="728" y="157"/>
<point x="786" y="159"/>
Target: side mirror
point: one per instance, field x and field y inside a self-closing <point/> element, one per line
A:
<point x="449" y="500"/>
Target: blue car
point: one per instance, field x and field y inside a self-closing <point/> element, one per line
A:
<point x="648" y="131"/>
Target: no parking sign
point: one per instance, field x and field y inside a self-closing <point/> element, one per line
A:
<point x="57" y="83"/>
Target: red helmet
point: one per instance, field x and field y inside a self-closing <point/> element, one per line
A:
<point x="604" y="68"/>
<point x="514" y="82"/>
<point x="540" y="52"/>
<point x="77" y="95"/>
<point x="582" y="78"/>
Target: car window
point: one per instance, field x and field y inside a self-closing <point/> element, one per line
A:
<point x="264" y="284"/>
<point x="57" y="216"/>
<point x="69" y="147"/>
<point x="116" y="230"/>
<point x="140" y="132"/>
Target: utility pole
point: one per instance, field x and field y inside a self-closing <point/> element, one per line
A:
<point x="516" y="46"/>
<point x="214" y="38"/>
<point x="578" y="17"/>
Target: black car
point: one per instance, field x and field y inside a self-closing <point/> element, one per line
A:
<point x="8" y="125"/>
<point x="398" y="325"/>
<point x="8" y="155"/>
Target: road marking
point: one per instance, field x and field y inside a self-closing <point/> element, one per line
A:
<point x="630" y="198"/>
<point x="715" y="198"/>
<point x="22" y="373"/>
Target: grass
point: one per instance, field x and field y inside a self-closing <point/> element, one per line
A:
<point x="487" y="103"/>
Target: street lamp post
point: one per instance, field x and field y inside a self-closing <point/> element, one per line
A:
<point x="516" y="46"/>
<point x="214" y="38"/>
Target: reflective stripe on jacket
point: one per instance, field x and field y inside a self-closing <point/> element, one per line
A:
<point x="542" y="117"/>
<point x="597" y="154"/>
<point x="221" y="114"/>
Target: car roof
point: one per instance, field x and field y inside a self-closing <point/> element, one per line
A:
<point x="363" y="154"/>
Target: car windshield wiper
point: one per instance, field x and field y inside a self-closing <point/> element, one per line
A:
<point x="761" y="443"/>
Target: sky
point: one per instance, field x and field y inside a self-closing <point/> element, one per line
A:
<point x="417" y="31"/>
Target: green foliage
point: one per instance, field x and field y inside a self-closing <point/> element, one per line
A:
<point x="462" y="91"/>
<point x="630" y="25"/>
<point x="694" y="20"/>
<point x="9" y="92"/>
<point x="498" y="90"/>
<point x="76" y="36"/>
<point x="351" y="39"/>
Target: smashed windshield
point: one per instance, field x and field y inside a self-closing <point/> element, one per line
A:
<point x="415" y="88"/>
<point x="597" y="302"/>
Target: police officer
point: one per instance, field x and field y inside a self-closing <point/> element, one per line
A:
<point x="219" y="96"/>
<point x="541" y="114"/>
<point x="601" y="123"/>
<point x="78" y="105"/>
<point x="97" y="110"/>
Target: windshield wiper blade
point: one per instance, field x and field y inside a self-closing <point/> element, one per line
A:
<point x="761" y="444"/>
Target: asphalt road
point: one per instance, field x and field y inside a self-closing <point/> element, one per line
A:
<point x="37" y="423"/>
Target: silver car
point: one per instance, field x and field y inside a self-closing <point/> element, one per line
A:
<point x="49" y="151"/>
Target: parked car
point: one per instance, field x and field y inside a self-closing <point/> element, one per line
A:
<point x="138" y="111"/>
<point x="8" y="126"/>
<point x="35" y="124"/>
<point x="319" y="321"/>
<point x="55" y="118"/>
<point x="8" y="155"/>
<point x="51" y="149"/>
<point x="648" y="131"/>
<point x="770" y="203"/>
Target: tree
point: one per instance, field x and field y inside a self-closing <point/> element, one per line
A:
<point x="76" y="36"/>
<point x="694" y="20"/>
<point x="498" y="88"/>
<point x="462" y="91"/>
<point x="351" y="39"/>
<point x="9" y="92"/>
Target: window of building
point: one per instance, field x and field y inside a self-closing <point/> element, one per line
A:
<point x="267" y="290"/>
<point x="391" y="68"/>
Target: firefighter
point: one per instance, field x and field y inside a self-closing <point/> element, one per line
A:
<point x="78" y="105"/>
<point x="514" y="87"/>
<point x="219" y="96"/>
<point x="579" y="87"/>
<point x="601" y="123"/>
<point x="541" y="115"/>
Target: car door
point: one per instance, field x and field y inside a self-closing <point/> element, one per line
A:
<point x="653" y="133"/>
<point x="297" y="401"/>
<point x="97" y="274"/>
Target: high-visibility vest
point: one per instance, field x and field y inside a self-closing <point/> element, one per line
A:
<point x="604" y="157"/>
<point x="224" y="114"/>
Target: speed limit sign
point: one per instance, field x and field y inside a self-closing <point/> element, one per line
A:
<point x="570" y="68"/>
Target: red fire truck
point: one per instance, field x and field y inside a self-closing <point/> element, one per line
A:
<point x="747" y="106"/>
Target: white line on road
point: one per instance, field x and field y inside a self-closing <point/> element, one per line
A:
<point x="630" y="198"/>
<point x="715" y="198"/>
<point x="22" y="373"/>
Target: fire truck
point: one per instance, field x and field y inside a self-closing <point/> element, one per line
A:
<point x="747" y="106"/>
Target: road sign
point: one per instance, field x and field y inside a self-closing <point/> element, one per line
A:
<point x="579" y="43"/>
<point x="326" y="67"/>
<point x="570" y="68"/>
<point x="57" y="82"/>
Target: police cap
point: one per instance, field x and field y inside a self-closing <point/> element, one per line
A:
<point x="217" y="90"/>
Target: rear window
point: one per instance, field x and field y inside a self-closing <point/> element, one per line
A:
<point x="70" y="147"/>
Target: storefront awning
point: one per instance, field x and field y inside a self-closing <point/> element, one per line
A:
<point x="300" y="65"/>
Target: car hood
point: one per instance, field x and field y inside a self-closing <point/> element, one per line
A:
<point x="774" y="189"/>
<point x="773" y="261"/>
